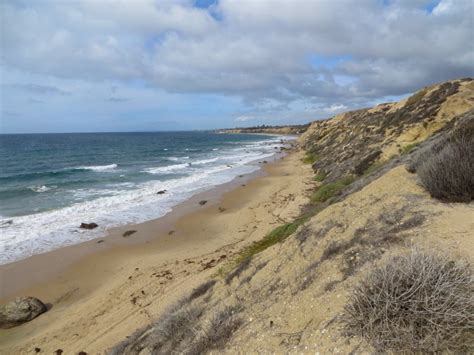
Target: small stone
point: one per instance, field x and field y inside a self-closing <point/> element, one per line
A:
<point x="128" y="233"/>
<point x="202" y="202"/>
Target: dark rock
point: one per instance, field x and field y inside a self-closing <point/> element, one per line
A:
<point x="37" y="350"/>
<point x="203" y="202"/>
<point x="89" y="225"/>
<point x="21" y="310"/>
<point x="221" y="209"/>
<point x="100" y="241"/>
<point x="128" y="233"/>
<point x="161" y="192"/>
<point x="81" y="353"/>
<point x="58" y="352"/>
<point x="171" y="232"/>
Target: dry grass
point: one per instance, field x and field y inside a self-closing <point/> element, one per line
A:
<point x="183" y="329"/>
<point x="415" y="303"/>
<point x="221" y="327"/>
<point x="201" y="289"/>
<point x="448" y="175"/>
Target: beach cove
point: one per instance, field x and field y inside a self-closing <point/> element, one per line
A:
<point x="111" y="286"/>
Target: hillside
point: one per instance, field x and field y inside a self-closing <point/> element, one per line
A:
<point x="289" y="293"/>
<point x="292" y="130"/>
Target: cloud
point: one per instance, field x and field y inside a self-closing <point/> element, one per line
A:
<point x="245" y="118"/>
<point x="118" y="99"/>
<point x="273" y="55"/>
<point x="35" y="89"/>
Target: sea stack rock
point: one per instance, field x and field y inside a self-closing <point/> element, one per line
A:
<point x="89" y="225"/>
<point x="21" y="310"/>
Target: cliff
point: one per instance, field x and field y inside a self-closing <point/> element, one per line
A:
<point x="294" y="290"/>
<point x="291" y="130"/>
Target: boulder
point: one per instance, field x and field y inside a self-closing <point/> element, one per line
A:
<point x="89" y="225"/>
<point x="161" y="192"/>
<point x="21" y="310"/>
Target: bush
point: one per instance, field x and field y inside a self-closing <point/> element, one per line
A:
<point x="309" y="158"/>
<point x="183" y="329"/>
<point x="449" y="173"/>
<point x="415" y="303"/>
<point x="320" y="177"/>
<point x="327" y="191"/>
<point x="222" y="326"/>
<point x="277" y="235"/>
<point x="409" y="147"/>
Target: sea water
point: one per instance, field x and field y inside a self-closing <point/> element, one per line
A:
<point x="51" y="183"/>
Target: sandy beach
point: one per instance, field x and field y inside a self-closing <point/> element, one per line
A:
<point x="101" y="291"/>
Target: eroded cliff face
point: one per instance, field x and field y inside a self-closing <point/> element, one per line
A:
<point x="351" y="142"/>
<point x="286" y="130"/>
<point x="290" y="297"/>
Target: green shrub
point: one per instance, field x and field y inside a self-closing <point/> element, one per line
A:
<point x="373" y="167"/>
<point x="320" y="177"/>
<point x="327" y="191"/>
<point x="408" y="148"/>
<point x="310" y="158"/>
<point x="277" y="235"/>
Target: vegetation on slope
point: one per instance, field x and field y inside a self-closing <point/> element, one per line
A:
<point x="420" y="302"/>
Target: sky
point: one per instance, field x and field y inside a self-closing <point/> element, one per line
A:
<point x="143" y="65"/>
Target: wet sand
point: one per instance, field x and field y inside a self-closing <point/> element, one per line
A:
<point x="102" y="290"/>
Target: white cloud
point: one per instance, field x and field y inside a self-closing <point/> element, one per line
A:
<point x="259" y="51"/>
<point x="245" y="118"/>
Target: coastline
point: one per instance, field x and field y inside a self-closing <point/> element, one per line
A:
<point x="23" y="274"/>
<point x="134" y="278"/>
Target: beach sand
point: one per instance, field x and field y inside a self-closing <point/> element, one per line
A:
<point x="103" y="290"/>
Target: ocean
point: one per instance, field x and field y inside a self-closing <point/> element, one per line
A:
<point x="51" y="183"/>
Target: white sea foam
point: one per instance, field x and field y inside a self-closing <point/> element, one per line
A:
<point x="123" y="204"/>
<point x="205" y="161"/>
<point x="177" y="158"/>
<point x="97" y="167"/>
<point x="166" y="169"/>
<point x="40" y="188"/>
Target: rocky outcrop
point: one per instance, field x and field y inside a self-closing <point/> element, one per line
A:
<point x="88" y="225"/>
<point x="21" y="310"/>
